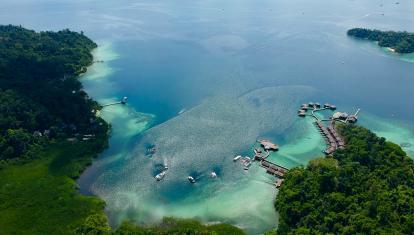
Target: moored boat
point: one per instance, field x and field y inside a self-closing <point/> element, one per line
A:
<point x="191" y="179"/>
<point x="160" y="176"/>
<point x="237" y="158"/>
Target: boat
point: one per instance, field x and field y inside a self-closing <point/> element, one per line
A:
<point x="213" y="174"/>
<point x="279" y="183"/>
<point x="257" y="151"/>
<point x="151" y="151"/>
<point x="237" y="158"/>
<point x="191" y="179"/>
<point x="160" y="176"/>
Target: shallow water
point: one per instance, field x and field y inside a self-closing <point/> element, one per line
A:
<point x="205" y="79"/>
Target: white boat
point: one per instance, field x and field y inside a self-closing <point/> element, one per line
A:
<point x="279" y="183"/>
<point x="237" y="158"/>
<point x="160" y="176"/>
<point x="213" y="174"/>
<point x="191" y="179"/>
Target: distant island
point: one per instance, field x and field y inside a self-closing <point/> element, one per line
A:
<point x="49" y="133"/>
<point x="400" y="42"/>
<point x="366" y="188"/>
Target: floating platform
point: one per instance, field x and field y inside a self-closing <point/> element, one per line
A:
<point x="267" y="145"/>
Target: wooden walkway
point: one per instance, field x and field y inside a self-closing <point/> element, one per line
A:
<point x="123" y="101"/>
<point x="331" y="136"/>
<point x="273" y="169"/>
<point x="114" y="103"/>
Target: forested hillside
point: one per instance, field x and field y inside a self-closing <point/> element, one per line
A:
<point x="48" y="132"/>
<point x="39" y="91"/>
<point x="401" y="42"/>
<point x="368" y="188"/>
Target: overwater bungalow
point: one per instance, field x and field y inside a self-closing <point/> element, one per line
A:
<point x="340" y="116"/>
<point x="352" y="119"/>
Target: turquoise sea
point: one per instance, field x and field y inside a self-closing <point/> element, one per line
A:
<point x="206" y="79"/>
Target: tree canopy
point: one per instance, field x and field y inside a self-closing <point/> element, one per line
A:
<point x="39" y="89"/>
<point x="401" y="42"/>
<point x="367" y="188"/>
<point x="172" y="225"/>
<point x="41" y="105"/>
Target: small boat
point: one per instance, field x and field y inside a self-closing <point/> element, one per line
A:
<point x="191" y="179"/>
<point x="151" y="151"/>
<point x="213" y="175"/>
<point x="279" y="183"/>
<point x="237" y="158"/>
<point x="160" y="176"/>
<point x="257" y="151"/>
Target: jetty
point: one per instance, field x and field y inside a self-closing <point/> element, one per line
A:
<point x="258" y="155"/>
<point x="123" y="101"/>
<point x="261" y="153"/>
<point x="333" y="140"/>
<point x="273" y="169"/>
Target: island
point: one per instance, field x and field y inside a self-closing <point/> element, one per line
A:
<point x="400" y="42"/>
<point x="365" y="188"/>
<point x="49" y="134"/>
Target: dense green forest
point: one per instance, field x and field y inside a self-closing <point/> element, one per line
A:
<point x="39" y="91"/>
<point x="49" y="134"/>
<point x="178" y="226"/>
<point x="401" y="42"/>
<point x="367" y="188"/>
<point x="42" y="106"/>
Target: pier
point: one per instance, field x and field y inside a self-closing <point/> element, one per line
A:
<point x="273" y="169"/>
<point x="123" y="101"/>
<point x="333" y="140"/>
<point x="258" y="155"/>
<point x="261" y="153"/>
